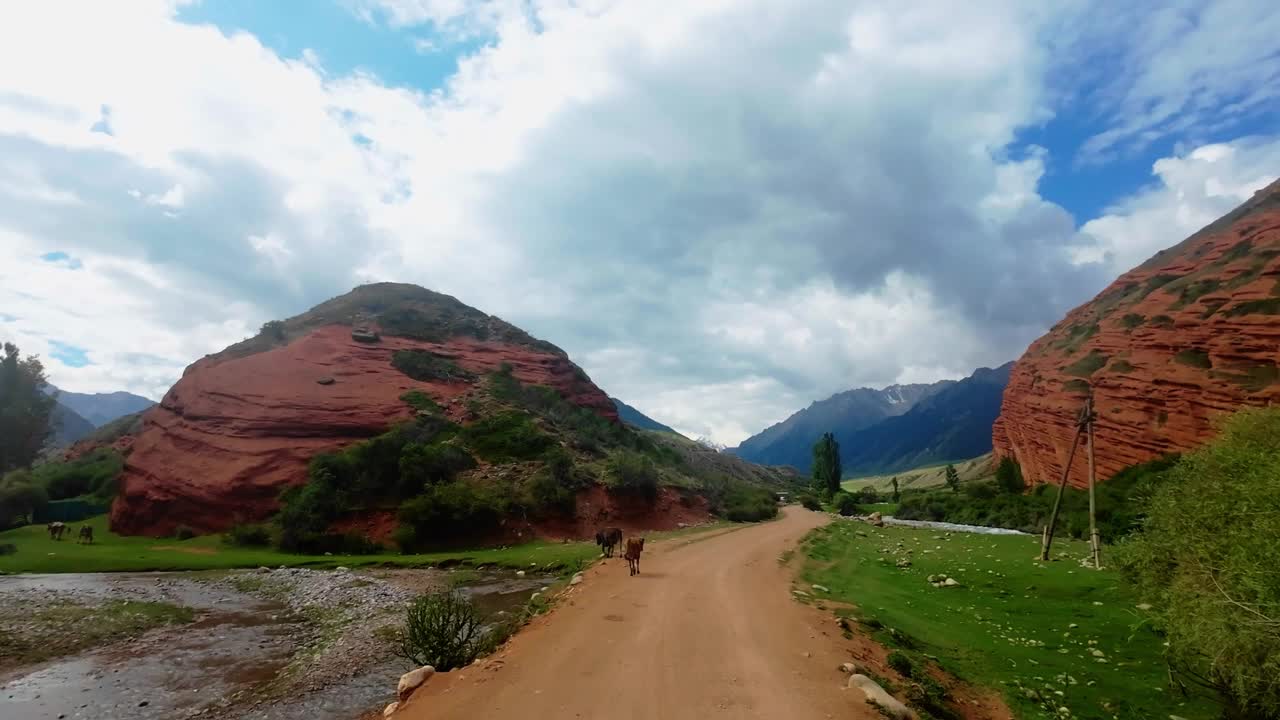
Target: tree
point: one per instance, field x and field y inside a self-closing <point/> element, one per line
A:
<point x="25" y="410"/>
<point x="826" y="466"/>
<point x="1206" y="558"/>
<point x="1009" y="476"/>
<point x="20" y="497"/>
<point x="953" y="478"/>
<point x="896" y="495"/>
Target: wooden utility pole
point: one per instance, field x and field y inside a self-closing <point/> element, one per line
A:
<point x="1047" y="540"/>
<point x="1095" y="543"/>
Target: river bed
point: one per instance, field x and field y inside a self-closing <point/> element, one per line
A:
<point x="265" y="644"/>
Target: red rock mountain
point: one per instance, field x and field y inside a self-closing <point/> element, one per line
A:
<point x="1189" y="335"/>
<point x="242" y="424"/>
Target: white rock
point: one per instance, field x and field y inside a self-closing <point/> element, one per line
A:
<point x="577" y="579"/>
<point x="877" y="696"/>
<point x="1097" y="653"/>
<point x="820" y="588"/>
<point x="1143" y="606"/>
<point x="342" y="568"/>
<point x="519" y="573"/>
<point x="411" y="680"/>
<point x="848" y="668"/>
<point x="950" y="582"/>
<point x="390" y="710"/>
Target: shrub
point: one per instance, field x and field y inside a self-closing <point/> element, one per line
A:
<point x="444" y="512"/>
<point x="901" y="663"/>
<point x="20" y="498"/>
<point x="750" y="504"/>
<point x="420" y="401"/>
<point x="810" y="501"/>
<point x="506" y="437"/>
<point x="183" y="532"/>
<point x="422" y="365"/>
<point x="248" y="536"/>
<point x="442" y="630"/>
<point x="93" y="474"/>
<point x="1087" y="365"/>
<point x="424" y="465"/>
<point x="868" y="495"/>
<point x="319" y="543"/>
<point x="1206" y="558"/>
<point x="633" y="474"/>
<point x="1009" y="476"/>
<point x="8" y="548"/>
<point x="846" y="504"/>
<point x="1194" y="358"/>
<point x="273" y="329"/>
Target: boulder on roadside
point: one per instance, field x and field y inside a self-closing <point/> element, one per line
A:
<point x="876" y="695"/>
<point x="577" y="579"/>
<point x="413" y="679"/>
<point x="390" y="710"/>
<point x="876" y="519"/>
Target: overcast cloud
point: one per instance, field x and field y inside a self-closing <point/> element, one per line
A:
<point x="723" y="211"/>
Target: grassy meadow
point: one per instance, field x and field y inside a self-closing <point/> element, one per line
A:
<point x="1048" y="635"/>
<point x="933" y="476"/>
<point x="36" y="553"/>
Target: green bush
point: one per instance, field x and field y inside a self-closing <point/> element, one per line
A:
<point x="443" y="630"/>
<point x="8" y="548"/>
<point x="420" y="401"/>
<point x="506" y="437"/>
<point x="1009" y="476"/>
<point x="810" y="501"/>
<point x="901" y="663"/>
<point x="750" y="504"/>
<point x="448" y="512"/>
<point x="425" y="465"/>
<point x="1207" y="558"/>
<point x="845" y="503"/>
<point x="248" y="536"/>
<point x="631" y="473"/>
<point x="273" y="329"/>
<point x="21" y="497"/>
<point x="427" y="367"/>
<point x="319" y="543"/>
<point x="94" y="475"/>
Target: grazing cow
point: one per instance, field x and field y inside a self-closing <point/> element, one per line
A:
<point x="55" y="530"/>
<point x="634" y="547"/>
<point x="607" y="538"/>
<point x="86" y="534"/>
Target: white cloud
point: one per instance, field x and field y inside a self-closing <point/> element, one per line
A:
<point x="723" y="210"/>
<point x="1192" y="190"/>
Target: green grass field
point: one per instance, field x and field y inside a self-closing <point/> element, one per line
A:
<point x="36" y="553"/>
<point x="1048" y="635"/>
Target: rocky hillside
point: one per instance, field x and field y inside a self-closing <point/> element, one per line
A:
<point x="1169" y="347"/>
<point x="950" y="425"/>
<point x="243" y="424"/>
<point x="790" y="442"/>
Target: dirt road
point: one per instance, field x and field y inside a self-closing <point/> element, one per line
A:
<point x="708" y="630"/>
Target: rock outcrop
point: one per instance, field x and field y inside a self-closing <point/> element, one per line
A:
<point x="1169" y="347"/>
<point x="241" y="425"/>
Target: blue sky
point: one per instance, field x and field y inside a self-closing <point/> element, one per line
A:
<point x="721" y="211"/>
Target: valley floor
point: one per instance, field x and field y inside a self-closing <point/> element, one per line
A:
<point x="708" y="629"/>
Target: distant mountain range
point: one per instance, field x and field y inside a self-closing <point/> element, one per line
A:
<point x="102" y="408"/>
<point x="790" y="442"/>
<point x="635" y="418"/>
<point x="78" y="414"/>
<point x="897" y="428"/>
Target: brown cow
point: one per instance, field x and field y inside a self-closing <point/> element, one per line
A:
<point x="86" y="534"/>
<point x="634" y="547"/>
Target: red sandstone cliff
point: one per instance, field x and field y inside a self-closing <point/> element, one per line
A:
<point x="1187" y="336"/>
<point x="242" y="425"/>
